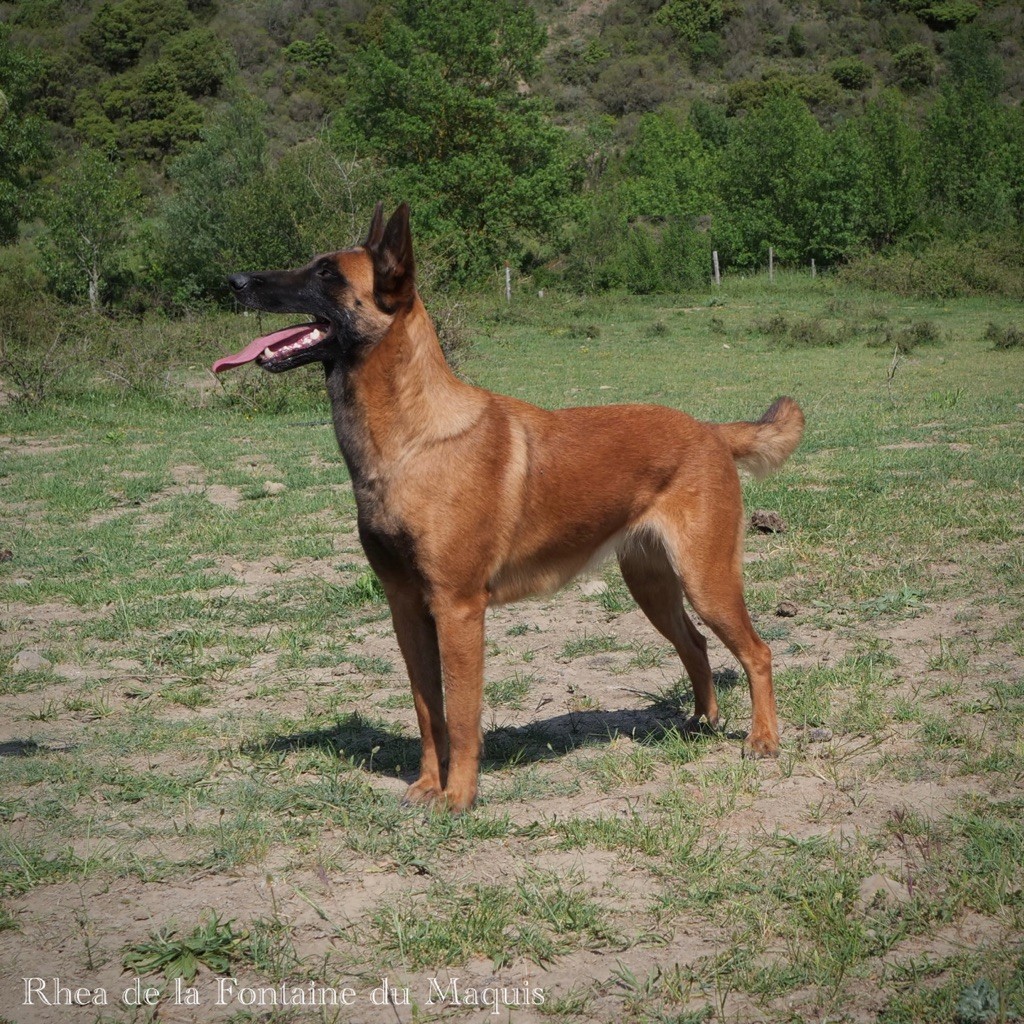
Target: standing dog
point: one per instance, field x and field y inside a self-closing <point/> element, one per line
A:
<point x="468" y="499"/>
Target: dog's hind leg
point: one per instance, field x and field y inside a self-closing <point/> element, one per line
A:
<point x="655" y="586"/>
<point x="709" y="566"/>
<point x="417" y="638"/>
<point x="721" y="606"/>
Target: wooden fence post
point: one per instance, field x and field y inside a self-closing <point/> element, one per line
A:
<point x="508" y="283"/>
<point x="814" y="269"/>
<point x="771" y="263"/>
<point x="718" y="276"/>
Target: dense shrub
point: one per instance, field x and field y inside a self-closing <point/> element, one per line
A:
<point x="198" y="60"/>
<point x="949" y="14"/>
<point x="22" y="139"/>
<point x="812" y="89"/>
<point x="850" y="73"/>
<point x="913" y="66"/>
<point x="946" y="268"/>
<point x="1005" y="336"/>
<point x="691" y="19"/>
<point x="120" y="30"/>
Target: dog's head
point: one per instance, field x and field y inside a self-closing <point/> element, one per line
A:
<point x="352" y="295"/>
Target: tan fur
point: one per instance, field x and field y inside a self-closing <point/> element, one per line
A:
<point x="468" y="499"/>
<point x="762" y="447"/>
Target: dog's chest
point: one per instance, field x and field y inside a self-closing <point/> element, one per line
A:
<point x="389" y="545"/>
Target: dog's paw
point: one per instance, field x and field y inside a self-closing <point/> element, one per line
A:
<point x="423" y="793"/>
<point x="757" y="747"/>
<point x="458" y="799"/>
<point x="702" y="725"/>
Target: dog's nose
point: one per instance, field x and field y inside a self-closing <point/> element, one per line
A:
<point x="238" y="281"/>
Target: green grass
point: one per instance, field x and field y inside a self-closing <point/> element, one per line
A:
<point x="226" y="713"/>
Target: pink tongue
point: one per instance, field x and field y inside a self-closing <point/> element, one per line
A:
<point x="257" y="345"/>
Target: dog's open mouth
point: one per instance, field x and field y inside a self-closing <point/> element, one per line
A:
<point x="283" y="349"/>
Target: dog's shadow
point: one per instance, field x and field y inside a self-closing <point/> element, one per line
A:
<point x="378" y="749"/>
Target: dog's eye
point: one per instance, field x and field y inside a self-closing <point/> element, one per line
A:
<point x="326" y="270"/>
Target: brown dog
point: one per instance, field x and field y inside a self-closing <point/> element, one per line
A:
<point x="468" y="499"/>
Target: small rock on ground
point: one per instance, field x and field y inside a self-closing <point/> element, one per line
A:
<point x="31" y="661"/>
<point x="766" y="521"/>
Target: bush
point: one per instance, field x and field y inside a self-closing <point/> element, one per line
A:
<point x="913" y="66"/>
<point x="796" y="40"/>
<point x="668" y="257"/>
<point x="198" y="60"/>
<point x="690" y="19"/>
<point x="776" y="326"/>
<point x="810" y="333"/>
<point x="946" y="268"/>
<point x="949" y="14"/>
<point x="634" y="85"/>
<point x="912" y="336"/>
<point x="814" y="90"/>
<point x="850" y="73"/>
<point x="1007" y="336"/>
<point x="42" y="342"/>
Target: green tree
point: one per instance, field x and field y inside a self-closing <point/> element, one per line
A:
<point x="710" y="123"/>
<point x="691" y="19"/>
<point x="119" y="31"/>
<point x="787" y="183"/>
<point x="1013" y="160"/>
<point x="770" y="187"/>
<point x="894" y="170"/>
<point x="435" y="97"/>
<point x="913" y="66"/>
<point x="88" y="227"/>
<point x="972" y="64"/>
<point x="150" y="115"/>
<point x="840" y="180"/>
<point x="199" y="61"/>
<point x="967" y="134"/>
<point x="667" y="172"/>
<point x="233" y="208"/>
<point x="22" y="138"/>
<point x="115" y="36"/>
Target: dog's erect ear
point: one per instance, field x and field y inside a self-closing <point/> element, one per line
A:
<point x="394" y="269"/>
<point x="376" y="232"/>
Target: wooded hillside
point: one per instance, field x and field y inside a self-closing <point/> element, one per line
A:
<point x="146" y="146"/>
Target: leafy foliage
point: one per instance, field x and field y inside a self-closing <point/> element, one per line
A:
<point x="691" y="19"/>
<point x="435" y="98"/>
<point x="894" y="179"/>
<point x="230" y="209"/>
<point x="120" y="30"/>
<point x="913" y="66"/>
<point x="22" y="146"/>
<point x="602" y="152"/>
<point x="769" y="191"/>
<point x="88" y="228"/>
<point x="212" y="943"/>
<point x="978" y="1003"/>
<point x="850" y="72"/>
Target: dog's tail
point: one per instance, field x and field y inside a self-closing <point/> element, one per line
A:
<point x="762" y="447"/>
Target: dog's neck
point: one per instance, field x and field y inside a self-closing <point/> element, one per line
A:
<point x="398" y="397"/>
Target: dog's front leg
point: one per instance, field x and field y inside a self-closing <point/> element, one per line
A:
<point x="417" y="639"/>
<point x="460" y="633"/>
